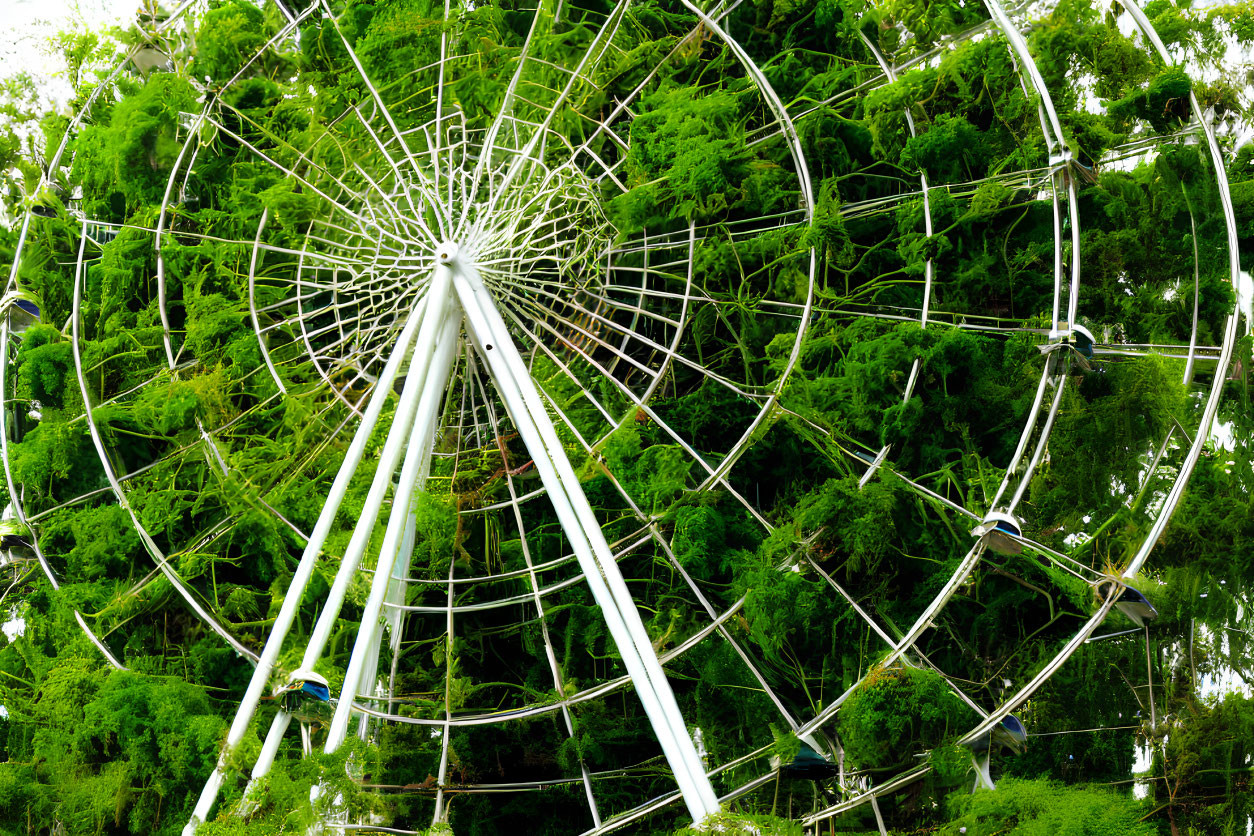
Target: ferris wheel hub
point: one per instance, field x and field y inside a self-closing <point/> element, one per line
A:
<point x="446" y="253"/>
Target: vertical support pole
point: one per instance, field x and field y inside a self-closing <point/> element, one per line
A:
<point x="411" y="418"/>
<point x="879" y="819"/>
<point x="393" y="617"/>
<point x="446" y="329"/>
<point x="441" y="814"/>
<point x="300" y="579"/>
<point x="526" y="407"/>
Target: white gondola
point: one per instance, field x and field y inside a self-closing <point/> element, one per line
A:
<point x="302" y="687"/>
<point x="306" y="696"/>
<point x="1132" y="603"/>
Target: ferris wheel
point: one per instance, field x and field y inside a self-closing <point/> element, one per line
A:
<point x="441" y="336"/>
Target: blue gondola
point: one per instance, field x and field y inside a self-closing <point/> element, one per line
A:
<point x="1082" y="340"/>
<point x="1008" y="734"/>
<point x="305" y="681"/>
<point x="317" y="690"/>
<point x="21" y="309"/>
<point x="809" y="765"/>
<point x="1001" y="532"/>
<point x="1009" y="527"/>
<point x="306" y="696"/>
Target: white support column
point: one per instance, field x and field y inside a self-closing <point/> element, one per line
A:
<point x="435" y="368"/>
<point x="304" y="571"/>
<point x="393" y="618"/>
<point x="526" y="407"/>
<point x="415" y="415"/>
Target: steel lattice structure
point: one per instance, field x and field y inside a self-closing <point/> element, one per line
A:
<point x="458" y="316"/>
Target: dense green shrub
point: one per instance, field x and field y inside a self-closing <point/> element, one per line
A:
<point x="897" y="712"/>
<point x="1041" y="808"/>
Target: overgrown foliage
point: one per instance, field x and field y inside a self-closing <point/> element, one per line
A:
<point x="188" y="331"/>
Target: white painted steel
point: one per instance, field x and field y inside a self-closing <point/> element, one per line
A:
<point x="488" y="326"/>
<point x="436" y="362"/>
<point x="527" y="408"/>
<point x="409" y="420"/>
<point x="300" y="579"/>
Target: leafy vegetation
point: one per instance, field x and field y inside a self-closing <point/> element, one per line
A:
<point x="1041" y="807"/>
<point x="219" y="258"/>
